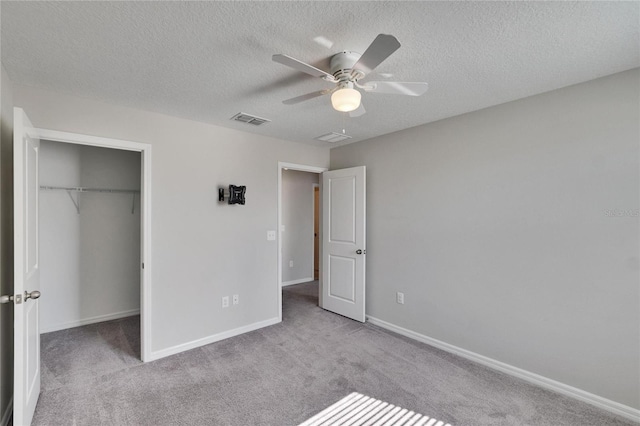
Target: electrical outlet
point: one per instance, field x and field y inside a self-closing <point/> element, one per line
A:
<point x="291" y="264"/>
<point x="225" y="302"/>
<point x="236" y="299"/>
<point x="271" y="235"/>
<point x="400" y="298"/>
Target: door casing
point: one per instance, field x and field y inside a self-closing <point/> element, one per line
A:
<point x="315" y="272"/>
<point x="145" y="217"/>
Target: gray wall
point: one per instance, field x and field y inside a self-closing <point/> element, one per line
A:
<point x="201" y="250"/>
<point x="513" y="232"/>
<point x="6" y="242"/>
<point x="297" y="218"/>
<point x="89" y="262"/>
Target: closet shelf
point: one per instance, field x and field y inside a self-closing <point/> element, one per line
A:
<point x="83" y="189"/>
<point x="70" y="189"/>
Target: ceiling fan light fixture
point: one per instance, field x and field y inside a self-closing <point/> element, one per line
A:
<point x="347" y="69"/>
<point x="346" y="99"/>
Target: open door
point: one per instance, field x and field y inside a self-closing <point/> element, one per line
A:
<point x="343" y="242"/>
<point x="26" y="270"/>
<point x="316" y="230"/>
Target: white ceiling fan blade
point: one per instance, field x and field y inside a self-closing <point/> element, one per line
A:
<point x="381" y="48"/>
<point x="358" y="111"/>
<point x="396" y="87"/>
<point x="306" y="97"/>
<point x="301" y="66"/>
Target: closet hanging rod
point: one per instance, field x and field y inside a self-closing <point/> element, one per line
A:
<point x="84" y="189"/>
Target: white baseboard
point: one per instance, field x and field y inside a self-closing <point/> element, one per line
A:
<point x="7" y="413"/>
<point x="211" y="339"/>
<point x="300" y="281"/>
<point x="544" y="382"/>
<point x="48" y="328"/>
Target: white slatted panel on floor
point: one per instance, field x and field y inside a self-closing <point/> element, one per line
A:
<point x="360" y="410"/>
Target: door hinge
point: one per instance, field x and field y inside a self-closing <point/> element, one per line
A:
<point x="142" y="265"/>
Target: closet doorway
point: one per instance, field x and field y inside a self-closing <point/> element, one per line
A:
<point x="89" y="226"/>
<point x="94" y="232"/>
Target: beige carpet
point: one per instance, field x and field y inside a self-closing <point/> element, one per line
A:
<point x="281" y="375"/>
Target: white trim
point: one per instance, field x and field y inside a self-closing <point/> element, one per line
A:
<point x="87" y="321"/>
<point x="145" y="256"/>
<point x="300" y="168"/>
<point x="544" y="382"/>
<point x="80" y="139"/>
<point x="211" y="339"/>
<point x="7" y="413"/>
<point x="145" y="217"/>
<point x="19" y="394"/>
<point x="293" y="282"/>
<point x="313" y="227"/>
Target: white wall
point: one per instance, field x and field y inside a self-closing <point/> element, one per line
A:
<point x="501" y="227"/>
<point x="201" y="250"/>
<point x="90" y="262"/>
<point x="297" y="218"/>
<point x="6" y="244"/>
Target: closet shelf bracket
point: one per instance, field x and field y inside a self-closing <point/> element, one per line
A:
<point x="78" y="189"/>
<point x="75" y="203"/>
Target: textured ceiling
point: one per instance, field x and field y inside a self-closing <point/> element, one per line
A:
<point x="207" y="61"/>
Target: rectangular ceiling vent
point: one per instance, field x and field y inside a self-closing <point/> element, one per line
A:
<point x="249" y="119"/>
<point x="333" y="137"/>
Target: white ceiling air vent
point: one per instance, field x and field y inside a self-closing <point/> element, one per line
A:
<point x="249" y="119"/>
<point x="333" y="137"/>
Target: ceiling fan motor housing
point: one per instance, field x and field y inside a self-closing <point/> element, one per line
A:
<point x="342" y="66"/>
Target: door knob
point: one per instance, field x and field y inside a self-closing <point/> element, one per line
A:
<point x="361" y="251"/>
<point x="33" y="295"/>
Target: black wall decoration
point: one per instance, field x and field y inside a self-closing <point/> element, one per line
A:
<point x="235" y="194"/>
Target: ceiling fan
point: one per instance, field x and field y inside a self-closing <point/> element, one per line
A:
<point x="347" y="69"/>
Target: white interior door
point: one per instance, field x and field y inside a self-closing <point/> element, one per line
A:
<point x="26" y="270"/>
<point x="343" y="242"/>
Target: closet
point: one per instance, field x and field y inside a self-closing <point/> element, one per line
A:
<point x="89" y="228"/>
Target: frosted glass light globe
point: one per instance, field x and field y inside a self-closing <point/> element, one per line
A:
<point x="346" y="99"/>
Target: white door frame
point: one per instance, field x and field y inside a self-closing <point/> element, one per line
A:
<point x="313" y="230"/>
<point x="145" y="218"/>
<point x="281" y="167"/>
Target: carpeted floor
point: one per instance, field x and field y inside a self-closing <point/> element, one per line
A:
<point x="281" y="375"/>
